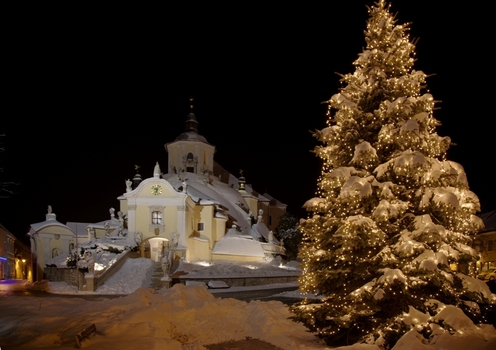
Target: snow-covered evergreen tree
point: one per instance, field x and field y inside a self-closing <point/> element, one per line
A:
<point x="391" y="228"/>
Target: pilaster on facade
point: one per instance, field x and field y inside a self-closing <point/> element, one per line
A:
<point x="131" y="220"/>
<point x="182" y="210"/>
<point x="47" y="254"/>
<point x="66" y="242"/>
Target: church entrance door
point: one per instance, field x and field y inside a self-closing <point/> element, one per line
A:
<point x="146" y="249"/>
<point x="155" y="248"/>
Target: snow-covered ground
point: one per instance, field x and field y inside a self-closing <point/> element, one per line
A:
<point x="137" y="273"/>
<point x="182" y="317"/>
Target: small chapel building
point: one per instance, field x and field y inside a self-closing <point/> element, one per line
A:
<point x="196" y="210"/>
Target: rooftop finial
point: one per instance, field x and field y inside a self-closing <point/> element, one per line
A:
<point x="191" y="123"/>
<point x="156" y="171"/>
<point x="50" y="215"/>
<point x="242" y="180"/>
<point x="137" y="177"/>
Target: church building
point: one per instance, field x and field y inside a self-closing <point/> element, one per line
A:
<point x="196" y="210"/>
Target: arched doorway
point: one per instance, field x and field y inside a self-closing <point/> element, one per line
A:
<point x="145" y="250"/>
<point x="153" y="248"/>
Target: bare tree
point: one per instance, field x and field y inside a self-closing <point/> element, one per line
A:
<point x="7" y="188"/>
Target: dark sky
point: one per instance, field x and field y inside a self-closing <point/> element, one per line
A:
<point x="94" y="92"/>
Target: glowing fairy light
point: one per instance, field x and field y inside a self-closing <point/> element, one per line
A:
<point x="390" y="224"/>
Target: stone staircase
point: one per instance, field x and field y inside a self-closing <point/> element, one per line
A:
<point x="156" y="282"/>
<point x="157" y="275"/>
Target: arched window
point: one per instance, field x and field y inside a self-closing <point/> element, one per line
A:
<point x="190" y="163"/>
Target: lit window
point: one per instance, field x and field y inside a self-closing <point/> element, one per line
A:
<point x="156" y="218"/>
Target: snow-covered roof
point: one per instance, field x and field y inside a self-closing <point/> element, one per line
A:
<point x="234" y="243"/>
<point x="233" y="182"/>
<point x="101" y="224"/>
<point x="261" y="230"/>
<point x="276" y="201"/>
<point x="50" y="221"/>
<point x="212" y="191"/>
<point x="191" y="136"/>
<point x="260" y="197"/>
<point x="78" y="227"/>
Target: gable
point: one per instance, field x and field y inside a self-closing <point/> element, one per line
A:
<point x="61" y="230"/>
<point x="153" y="188"/>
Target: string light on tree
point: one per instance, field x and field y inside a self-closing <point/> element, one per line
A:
<point x="391" y="213"/>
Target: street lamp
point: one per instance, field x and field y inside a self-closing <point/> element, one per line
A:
<point x="23" y="268"/>
<point x="17" y="261"/>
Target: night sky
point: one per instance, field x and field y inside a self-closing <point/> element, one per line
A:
<point x="96" y="92"/>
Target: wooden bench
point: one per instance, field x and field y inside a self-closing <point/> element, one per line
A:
<point x="85" y="333"/>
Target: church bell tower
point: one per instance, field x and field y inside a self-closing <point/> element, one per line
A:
<point x="190" y="152"/>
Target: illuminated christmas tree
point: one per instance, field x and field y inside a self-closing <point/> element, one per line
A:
<point x="390" y="231"/>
